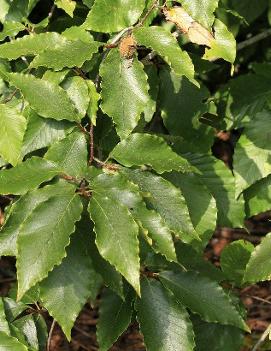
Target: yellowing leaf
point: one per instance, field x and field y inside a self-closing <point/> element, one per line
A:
<point x="196" y="32"/>
<point x="67" y="5"/>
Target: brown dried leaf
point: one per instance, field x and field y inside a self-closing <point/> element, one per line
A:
<point x="196" y="32"/>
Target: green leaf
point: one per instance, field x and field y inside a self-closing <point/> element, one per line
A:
<point x="216" y="337"/>
<point x="189" y="258"/>
<point x="146" y="149"/>
<point x="259" y="265"/>
<point x="153" y="81"/>
<point x="70" y="154"/>
<point x="111" y="277"/>
<point x="67" y="54"/>
<point x="252" y="153"/>
<point x="20" y="211"/>
<point x="53" y="102"/>
<point x="124" y="91"/>
<point x="161" y="41"/>
<point x="167" y="200"/>
<point x="221" y="183"/>
<point x="234" y="259"/>
<point x="204" y="297"/>
<point x="4" y="6"/>
<point x="78" y="92"/>
<point x="258" y="197"/>
<point x="67" y="288"/>
<point x="32" y="44"/>
<point x="4" y="326"/>
<point x="249" y="94"/>
<point x="42" y="132"/>
<point x="111" y="222"/>
<point x="41" y="243"/>
<point x="11" y="29"/>
<point x="9" y="343"/>
<point x="201" y="204"/>
<point x="55" y="77"/>
<point x="249" y="10"/>
<point x="224" y="45"/>
<point x="181" y="105"/>
<point x="94" y="101"/>
<point x="114" y="318"/>
<point x="27" y="327"/>
<point x="164" y="323"/>
<point x="12" y="129"/>
<point x="119" y="14"/>
<point x="201" y="11"/>
<point x="128" y="194"/>
<point x="67" y="5"/>
<point x="27" y="176"/>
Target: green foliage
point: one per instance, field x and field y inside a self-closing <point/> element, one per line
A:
<point x="110" y="116"/>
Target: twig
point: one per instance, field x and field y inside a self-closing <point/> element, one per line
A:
<point x="83" y="129"/>
<point x="52" y="10"/>
<point x="50" y="335"/>
<point x="259" y="299"/>
<point x="262" y="338"/>
<point x="91" y="144"/>
<point x="153" y="6"/>
<point x="112" y="44"/>
<point x="10" y="97"/>
<point x="254" y="39"/>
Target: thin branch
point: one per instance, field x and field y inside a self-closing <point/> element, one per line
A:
<point x="259" y="299"/>
<point x="143" y="20"/>
<point x="52" y="10"/>
<point x="254" y="39"/>
<point x="262" y="338"/>
<point x="10" y="97"/>
<point x="113" y="43"/>
<point x="50" y="335"/>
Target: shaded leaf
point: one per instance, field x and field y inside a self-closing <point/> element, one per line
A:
<point x="234" y="259"/>
<point x="201" y="204"/>
<point x="181" y="105"/>
<point x="204" y="297"/>
<point x="216" y="337"/>
<point x="114" y="318"/>
<point x="164" y="323"/>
